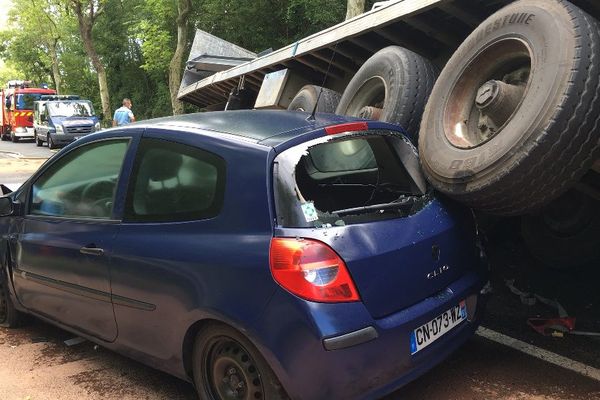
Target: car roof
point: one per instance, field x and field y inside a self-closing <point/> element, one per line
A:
<point x="256" y="125"/>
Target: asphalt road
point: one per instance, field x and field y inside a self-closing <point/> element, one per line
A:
<point x="35" y="364"/>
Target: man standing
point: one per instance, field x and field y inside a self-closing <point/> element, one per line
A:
<point x="123" y="115"/>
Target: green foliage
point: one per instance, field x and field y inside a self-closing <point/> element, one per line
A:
<point x="136" y="40"/>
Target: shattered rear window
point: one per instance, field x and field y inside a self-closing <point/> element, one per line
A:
<point x="353" y="178"/>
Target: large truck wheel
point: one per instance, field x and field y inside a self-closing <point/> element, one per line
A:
<point x="306" y="98"/>
<point x="566" y="233"/>
<point x="393" y="85"/>
<point x="514" y="118"/>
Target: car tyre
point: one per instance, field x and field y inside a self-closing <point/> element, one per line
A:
<point x="14" y="137"/>
<point x="393" y="86"/>
<point x="306" y="98"/>
<point x="38" y="142"/>
<point x="514" y="118"/>
<point x="9" y="316"/>
<point x="51" y="144"/>
<point x="227" y="366"/>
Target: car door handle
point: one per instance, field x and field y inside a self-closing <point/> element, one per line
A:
<point x="92" y="251"/>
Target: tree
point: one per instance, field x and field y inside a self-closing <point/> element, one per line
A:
<point x="354" y="8"/>
<point x="184" y="7"/>
<point x="87" y="13"/>
<point x="33" y="43"/>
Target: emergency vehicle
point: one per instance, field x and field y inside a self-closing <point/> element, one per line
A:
<point x="16" y="114"/>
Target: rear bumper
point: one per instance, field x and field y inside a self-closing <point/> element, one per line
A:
<point x="367" y="369"/>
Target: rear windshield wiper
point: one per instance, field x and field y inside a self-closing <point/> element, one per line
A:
<point x="403" y="201"/>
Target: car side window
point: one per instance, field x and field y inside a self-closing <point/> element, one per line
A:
<point x="174" y="182"/>
<point x="82" y="184"/>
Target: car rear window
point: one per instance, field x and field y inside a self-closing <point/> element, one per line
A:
<point x="349" y="179"/>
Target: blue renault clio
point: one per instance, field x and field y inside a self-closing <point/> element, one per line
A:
<point x="256" y="254"/>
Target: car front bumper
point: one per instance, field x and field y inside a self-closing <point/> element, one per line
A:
<point x="26" y="133"/>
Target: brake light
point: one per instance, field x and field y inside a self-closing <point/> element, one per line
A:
<point x="312" y="270"/>
<point x="348" y="127"/>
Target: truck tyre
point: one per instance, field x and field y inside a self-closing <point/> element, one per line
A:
<point x="566" y="233"/>
<point x="514" y="119"/>
<point x="306" y="98"/>
<point x="393" y="85"/>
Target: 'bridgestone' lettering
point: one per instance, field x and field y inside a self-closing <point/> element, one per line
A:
<point x="514" y="18"/>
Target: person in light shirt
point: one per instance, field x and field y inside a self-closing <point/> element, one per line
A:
<point x="123" y="115"/>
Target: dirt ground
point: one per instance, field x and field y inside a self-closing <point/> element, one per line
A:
<point x="20" y="165"/>
<point x="35" y="364"/>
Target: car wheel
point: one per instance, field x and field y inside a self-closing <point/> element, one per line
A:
<point x="306" y="99"/>
<point x="9" y="316"/>
<point x="51" y="144"/>
<point x="227" y="366"/>
<point x="566" y="233"/>
<point x="393" y="85"/>
<point x="513" y="120"/>
<point x="13" y="137"/>
<point x="38" y="142"/>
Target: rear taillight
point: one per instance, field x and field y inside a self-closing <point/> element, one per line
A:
<point x="347" y="127"/>
<point x="312" y="270"/>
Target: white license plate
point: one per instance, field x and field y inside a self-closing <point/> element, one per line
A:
<point x="428" y="333"/>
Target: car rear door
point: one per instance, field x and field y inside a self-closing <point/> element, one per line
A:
<point x="64" y="242"/>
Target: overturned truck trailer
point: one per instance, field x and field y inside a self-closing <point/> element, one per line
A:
<point x="502" y="97"/>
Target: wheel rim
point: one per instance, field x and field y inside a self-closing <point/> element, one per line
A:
<point x="369" y="100"/>
<point x="487" y="94"/>
<point x="230" y="372"/>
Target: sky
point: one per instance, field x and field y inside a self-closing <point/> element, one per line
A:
<point x="4" y="7"/>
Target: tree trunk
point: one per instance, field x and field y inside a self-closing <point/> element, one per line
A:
<point x="86" y="23"/>
<point x="183" y="7"/>
<point x="354" y="8"/>
<point x="55" y="67"/>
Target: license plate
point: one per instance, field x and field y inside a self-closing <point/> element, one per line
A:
<point x="428" y="333"/>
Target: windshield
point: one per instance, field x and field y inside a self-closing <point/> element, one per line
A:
<point x="25" y="100"/>
<point x="70" y="108"/>
<point x="350" y="179"/>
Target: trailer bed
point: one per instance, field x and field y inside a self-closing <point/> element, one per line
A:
<point x="432" y="28"/>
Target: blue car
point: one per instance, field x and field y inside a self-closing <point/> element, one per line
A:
<point x="256" y="254"/>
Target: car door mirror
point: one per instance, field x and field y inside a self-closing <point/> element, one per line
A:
<point x="6" y="207"/>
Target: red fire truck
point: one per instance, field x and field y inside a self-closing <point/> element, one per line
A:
<point x="16" y="109"/>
